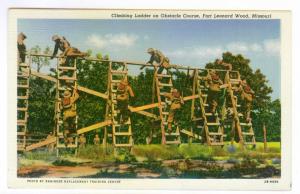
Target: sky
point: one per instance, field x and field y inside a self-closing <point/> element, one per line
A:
<point x="188" y="42"/>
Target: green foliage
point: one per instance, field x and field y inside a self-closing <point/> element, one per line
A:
<point x="91" y="109"/>
<point x="264" y="110"/>
<point x="40" y="61"/>
<point x="64" y="163"/>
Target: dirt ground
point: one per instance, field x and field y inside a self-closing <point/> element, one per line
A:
<point x="162" y="169"/>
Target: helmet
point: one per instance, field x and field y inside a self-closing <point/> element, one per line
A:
<point x="124" y="81"/>
<point x="150" y="50"/>
<point x="67" y="93"/>
<point x="55" y="37"/>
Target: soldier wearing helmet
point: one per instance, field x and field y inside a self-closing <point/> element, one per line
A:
<point x="123" y="92"/>
<point x="176" y="103"/>
<point x="227" y="66"/>
<point x="247" y="95"/>
<point x="21" y="47"/>
<point x="214" y="90"/>
<point x="159" y="58"/>
<point x="69" y="113"/>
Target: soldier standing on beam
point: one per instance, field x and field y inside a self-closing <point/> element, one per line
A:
<point x="21" y="47"/>
<point x="69" y="114"/>
<point x="63" y="45"/>
<point x="158" y="57"/>
<point x="123" y="92"/>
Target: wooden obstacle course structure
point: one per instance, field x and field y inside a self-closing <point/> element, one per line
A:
<point x="211" y="133"/>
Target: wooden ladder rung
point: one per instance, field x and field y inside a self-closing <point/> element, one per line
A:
<point x="23" y="86"/>
<point x="215" y="133"/>
<point x="23" y="65"/>
<point x="172" y="134"/>
<point x="197" y="119"/>
<point x="248" y="133"/>
<point x="165" y="84"/>
<point x="66" y="68"/>
<point x="21" y="133"/>
<point x="66" y="78"/>
<point x="123" y="134"/>
<point x="163" y="75"/>
<point x="245" y="124"/>
<point x="212" y="124"/>
<point x="115" y="81"/>
<point x="23" y="75"/>
<point x="118" y="72"/>
<point x="22" y="109"/>
<point x="23" y="97"/>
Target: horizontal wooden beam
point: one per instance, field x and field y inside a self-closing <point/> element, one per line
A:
<point x="190" y="134"/>
<point x="43" y="76"/>
<point x="190" y="97"/>
<point x="93" y="127"/>
<point x="80" y="88"/>
<point x="144" y="107"/>
<point x="92" y="92"/>
<point x="41" y="144"/>
<point x="148" y="114"/>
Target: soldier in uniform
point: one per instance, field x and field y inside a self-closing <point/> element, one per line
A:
<point x="21" y="47"/>
<point x="96" y="139"/>
<point x="247" y="95"/>
<point x="158" y="57"/>
<point x="82" y="141"/>
<point x="51" y="145"/>
<point x="214" y="90"/>
<point x="63" y="45"/>
<point x="176" y="102"/>
<point x="123" y="92"/>
<point x="69" y="114"/>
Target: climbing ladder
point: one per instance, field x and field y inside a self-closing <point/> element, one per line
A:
<point x="22" y="104"/>
<point x="164" y="85"/>
<point x="207" y="124"/>
<point x="66" y="77"/>
<point x="121" y="133"/>
<point x="244" y="129"/>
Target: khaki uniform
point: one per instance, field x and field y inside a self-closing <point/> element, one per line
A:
<point x="123" y="93"/>
<point x="69" y="115"/>
<point x="21" y="48"/>
<point x="226" y="66"/>
<point x="177" y="101"/>
<point x="96" y="140"/>
<point x="50" y="146"/>
<point x="82" y="141"/>
<point x="247" y="98"/>
<point x="158" y="57"/>
<point x="214" y="91"/>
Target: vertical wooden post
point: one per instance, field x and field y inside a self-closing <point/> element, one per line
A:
<point x="265" y="138"/>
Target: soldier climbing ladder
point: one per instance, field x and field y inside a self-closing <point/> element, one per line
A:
<point x="164" y="85"/>
<point x="207" y="124"/>
<point x="121" y="132"/>
<point x="245" y="133"/>
<point x="66" y="79"/>
<point x="22" y="104"/>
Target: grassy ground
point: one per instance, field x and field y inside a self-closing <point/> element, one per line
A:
<point x="184" y="161"/>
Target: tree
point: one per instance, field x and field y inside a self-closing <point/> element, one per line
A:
<point x="40" y="61"/>
<point x="263" y="108"/>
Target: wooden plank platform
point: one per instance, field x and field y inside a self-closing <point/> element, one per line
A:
<point x="40" y="144"/>
<point x="93" y="127"/>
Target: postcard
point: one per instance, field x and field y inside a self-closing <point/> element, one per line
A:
<point x="149" y="99"/>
